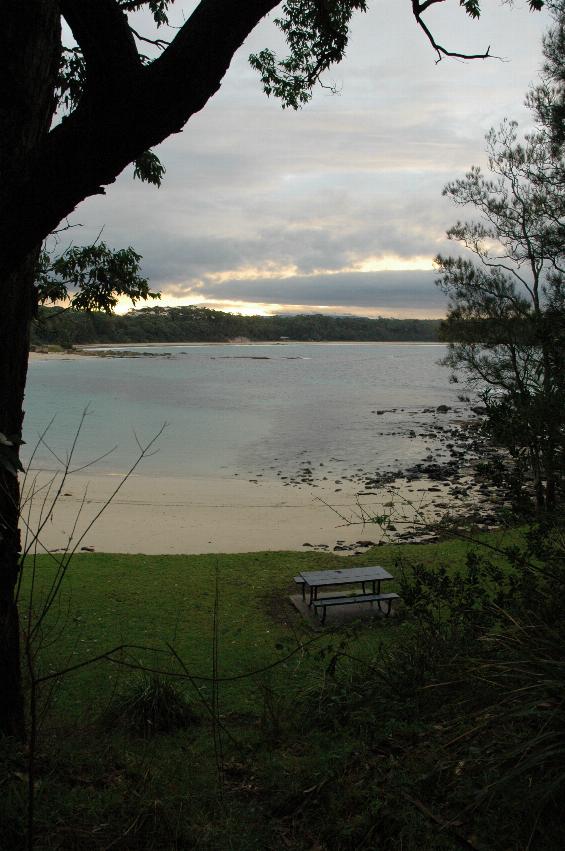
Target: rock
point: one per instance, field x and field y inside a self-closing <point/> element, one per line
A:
<point x="443" y="409"/>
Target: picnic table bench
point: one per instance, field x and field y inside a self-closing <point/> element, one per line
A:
<point x="313" y="580"/>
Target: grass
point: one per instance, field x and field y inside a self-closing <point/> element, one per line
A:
<point x="151" y="704"/>
<point x="160" y="601"/>
<point x="311" y="753"/>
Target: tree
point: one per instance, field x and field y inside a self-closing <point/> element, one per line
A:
<point x="547" y="99"/>
<point x="506" y="317"/>
<point x="91" y="277"/>
<point x="120" y="105"/>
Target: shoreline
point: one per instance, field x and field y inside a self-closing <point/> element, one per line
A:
<point x="125" y="349"/>
<point x="166" y="515"/>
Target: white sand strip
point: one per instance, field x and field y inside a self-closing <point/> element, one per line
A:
<point x="204" y="515"/>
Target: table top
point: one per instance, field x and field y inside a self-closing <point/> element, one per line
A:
<point x="344" y="575"/>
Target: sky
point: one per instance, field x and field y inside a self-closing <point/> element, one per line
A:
<point x="335" y="208"/>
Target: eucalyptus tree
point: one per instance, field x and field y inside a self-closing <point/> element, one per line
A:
<point x="115" y="105"/>
<point x="506" y="311"/>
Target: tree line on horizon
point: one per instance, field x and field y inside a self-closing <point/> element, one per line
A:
<point x="191" y="323"/>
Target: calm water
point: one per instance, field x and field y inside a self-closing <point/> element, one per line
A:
<point x="228" y="411"/>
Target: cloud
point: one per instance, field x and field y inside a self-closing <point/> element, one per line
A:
<point x="373" y="292"/>
<point x="285" y="207"/>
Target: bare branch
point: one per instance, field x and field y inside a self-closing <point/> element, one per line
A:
<point x="161" y="43"/>
<point x="418" y="9"/>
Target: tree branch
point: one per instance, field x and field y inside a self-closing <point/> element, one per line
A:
<point x="102" y="31"/>
<point x="418" y="9"/>
<point x="195" y="62"/>
<point x="161" y="43"/>
<point x="127" y="109"/>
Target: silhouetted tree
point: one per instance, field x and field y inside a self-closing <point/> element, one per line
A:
<point x="506" y="317"/>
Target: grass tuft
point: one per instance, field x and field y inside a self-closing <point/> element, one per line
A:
<point x="151" y="705"/>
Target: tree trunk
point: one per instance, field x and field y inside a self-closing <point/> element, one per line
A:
<point x="17" y="306"/>
<point x="29" y="58"/>
<point x="125" y="109"/>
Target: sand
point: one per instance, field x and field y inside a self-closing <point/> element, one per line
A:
<point x="207" y="515"/>
<point x="37" y="356"/>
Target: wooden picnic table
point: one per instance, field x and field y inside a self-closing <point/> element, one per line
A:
<point x="316" y="579"/>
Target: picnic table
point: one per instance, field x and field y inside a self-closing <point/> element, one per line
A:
<point x="313" y="580"/>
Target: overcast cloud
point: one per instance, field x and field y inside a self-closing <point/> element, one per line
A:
<point x="336" y="207"/>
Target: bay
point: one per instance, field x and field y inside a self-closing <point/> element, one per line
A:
<point x="239" y="410"/>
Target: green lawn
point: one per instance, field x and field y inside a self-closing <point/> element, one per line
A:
<point x="168" y="601"/>
<point x="100" y="787"/>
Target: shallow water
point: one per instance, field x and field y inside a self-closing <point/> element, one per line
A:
<point x="239" y="409"/>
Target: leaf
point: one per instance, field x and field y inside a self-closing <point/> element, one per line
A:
<point x="471" y="7"/>
<point x="149" y="169"/>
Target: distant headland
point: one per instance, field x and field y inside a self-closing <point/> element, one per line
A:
<point x="157" y="324"/>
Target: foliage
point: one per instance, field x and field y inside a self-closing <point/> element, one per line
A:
<point x="71" y="79"/>
<point x="506" y="317"/>
<point x="462" y="714"/>
<point x="201" y="324"/>
<point x="317" y="35"/>
<point x="158" y="8"/>
<point x="149" y="169"/>
<point x="547" y="99"/>
<point x="92" y="277"/>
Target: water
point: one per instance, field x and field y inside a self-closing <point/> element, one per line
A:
<point x="239" y="409"/>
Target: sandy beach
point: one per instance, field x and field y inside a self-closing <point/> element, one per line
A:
<point x="202" y="515"/>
